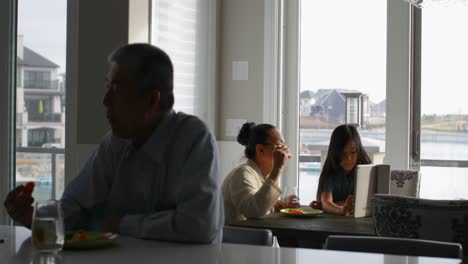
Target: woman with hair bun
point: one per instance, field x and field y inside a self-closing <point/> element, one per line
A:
<point x="251" y="190"/>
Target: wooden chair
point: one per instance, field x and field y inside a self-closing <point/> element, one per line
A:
<point x="404" y="182"/>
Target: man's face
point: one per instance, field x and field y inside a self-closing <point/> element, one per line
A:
<point x="124" y="103"/>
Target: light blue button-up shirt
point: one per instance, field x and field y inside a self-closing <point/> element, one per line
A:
<point x="167" y="189"/>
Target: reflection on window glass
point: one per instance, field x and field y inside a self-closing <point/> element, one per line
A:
<point x="444" y="111"/>
<point x="343" y="80"/>
<point x="40" y="96"/>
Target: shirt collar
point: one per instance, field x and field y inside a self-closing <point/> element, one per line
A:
<point x="156" y="145"/>
<point x="257" y="169"/>
<point x="339" y="172"/>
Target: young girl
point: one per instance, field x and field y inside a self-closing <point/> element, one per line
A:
<point x="336" y="183"/>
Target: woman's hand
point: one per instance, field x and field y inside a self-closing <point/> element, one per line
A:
<point x="281" y="155"/>
<point x="280" y="204"/>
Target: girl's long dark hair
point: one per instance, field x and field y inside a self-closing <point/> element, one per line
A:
<point x="341" y="136"/>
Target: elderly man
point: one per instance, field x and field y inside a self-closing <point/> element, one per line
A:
<point x="156" y="175"/>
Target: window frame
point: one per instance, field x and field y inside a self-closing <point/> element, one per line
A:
<point x="416" y="93"/>
<point x="8" y="11"/>
<point x="281" y="51"/>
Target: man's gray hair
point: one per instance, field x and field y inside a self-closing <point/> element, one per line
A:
<point x="151" y="67"/>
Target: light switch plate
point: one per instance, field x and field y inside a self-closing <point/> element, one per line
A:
<point x="233" y="126"/>
<point x="240" y="70"/>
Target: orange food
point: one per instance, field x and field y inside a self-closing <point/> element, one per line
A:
<point x="82" y="236"/>
<point x="296" y="212"/>
<point x="103" y="238"/>
<point x="29" y="187"/>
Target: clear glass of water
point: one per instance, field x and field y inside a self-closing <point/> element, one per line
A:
<point x="291" y="197"/>
<point x="47" y="227"/>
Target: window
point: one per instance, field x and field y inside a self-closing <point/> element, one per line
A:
<point x="40" y="122"/>
<point x="184" y="29"/>
<point x="37" y="79"/>
<point x="350" y="60"/>
<point x="443" y="116"/>
<point x="343" y="72"/>
<point x="40" y="136"/>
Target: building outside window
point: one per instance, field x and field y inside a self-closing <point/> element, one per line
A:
<point x="40" y="96"/>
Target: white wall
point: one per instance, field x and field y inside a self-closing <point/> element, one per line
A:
<point x="139" y="19"/>
<point x="241" y="39"/>
<point x="94" y="30"/>
<point x="232" y="154"/>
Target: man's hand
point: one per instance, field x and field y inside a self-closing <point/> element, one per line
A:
<point x="111" y="224"/>
<point x="18" y="204"/>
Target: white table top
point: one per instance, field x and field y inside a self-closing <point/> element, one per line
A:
<point x="17" y="248"/>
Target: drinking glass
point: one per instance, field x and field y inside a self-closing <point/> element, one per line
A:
<point x="48" y="258"/>
<point x="47" y="226"/>
<point x="291" y="197"/>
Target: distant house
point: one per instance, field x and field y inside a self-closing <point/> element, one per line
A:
<point x="40" y="112"/>
<point x="379" y="109"/>
<point x="307" y="99"/>
<point x="341" y="106"/>
<point x="333" y="104"/>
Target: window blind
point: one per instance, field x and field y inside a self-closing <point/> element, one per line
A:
<point x="180" y="27"/>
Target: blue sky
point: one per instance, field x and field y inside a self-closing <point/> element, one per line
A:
<point x="43" y="26"/>
<point x="343" y="45"/>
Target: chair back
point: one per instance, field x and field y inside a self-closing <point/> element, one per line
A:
<point x="410" y="217"/>
<point x="395" y="246"/>
<point x="404" y="182"/>
<point x="244" y="235"/>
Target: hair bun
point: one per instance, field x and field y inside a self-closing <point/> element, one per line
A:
<point x="244" y="133"/>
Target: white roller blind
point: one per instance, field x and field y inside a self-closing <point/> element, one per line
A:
<point x="180" y="27"/>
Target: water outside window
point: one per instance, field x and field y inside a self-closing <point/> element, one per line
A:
<point x="444" y="108"/>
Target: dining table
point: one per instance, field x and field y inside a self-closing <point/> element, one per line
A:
<point x="309" y="231"/>
<point x="17" y="248"/>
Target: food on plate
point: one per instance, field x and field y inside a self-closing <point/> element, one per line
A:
<point x="296" y="211"/>
<point x="81" y="235"/>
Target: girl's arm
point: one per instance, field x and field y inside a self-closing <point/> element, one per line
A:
<point x="338" y="208"/>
